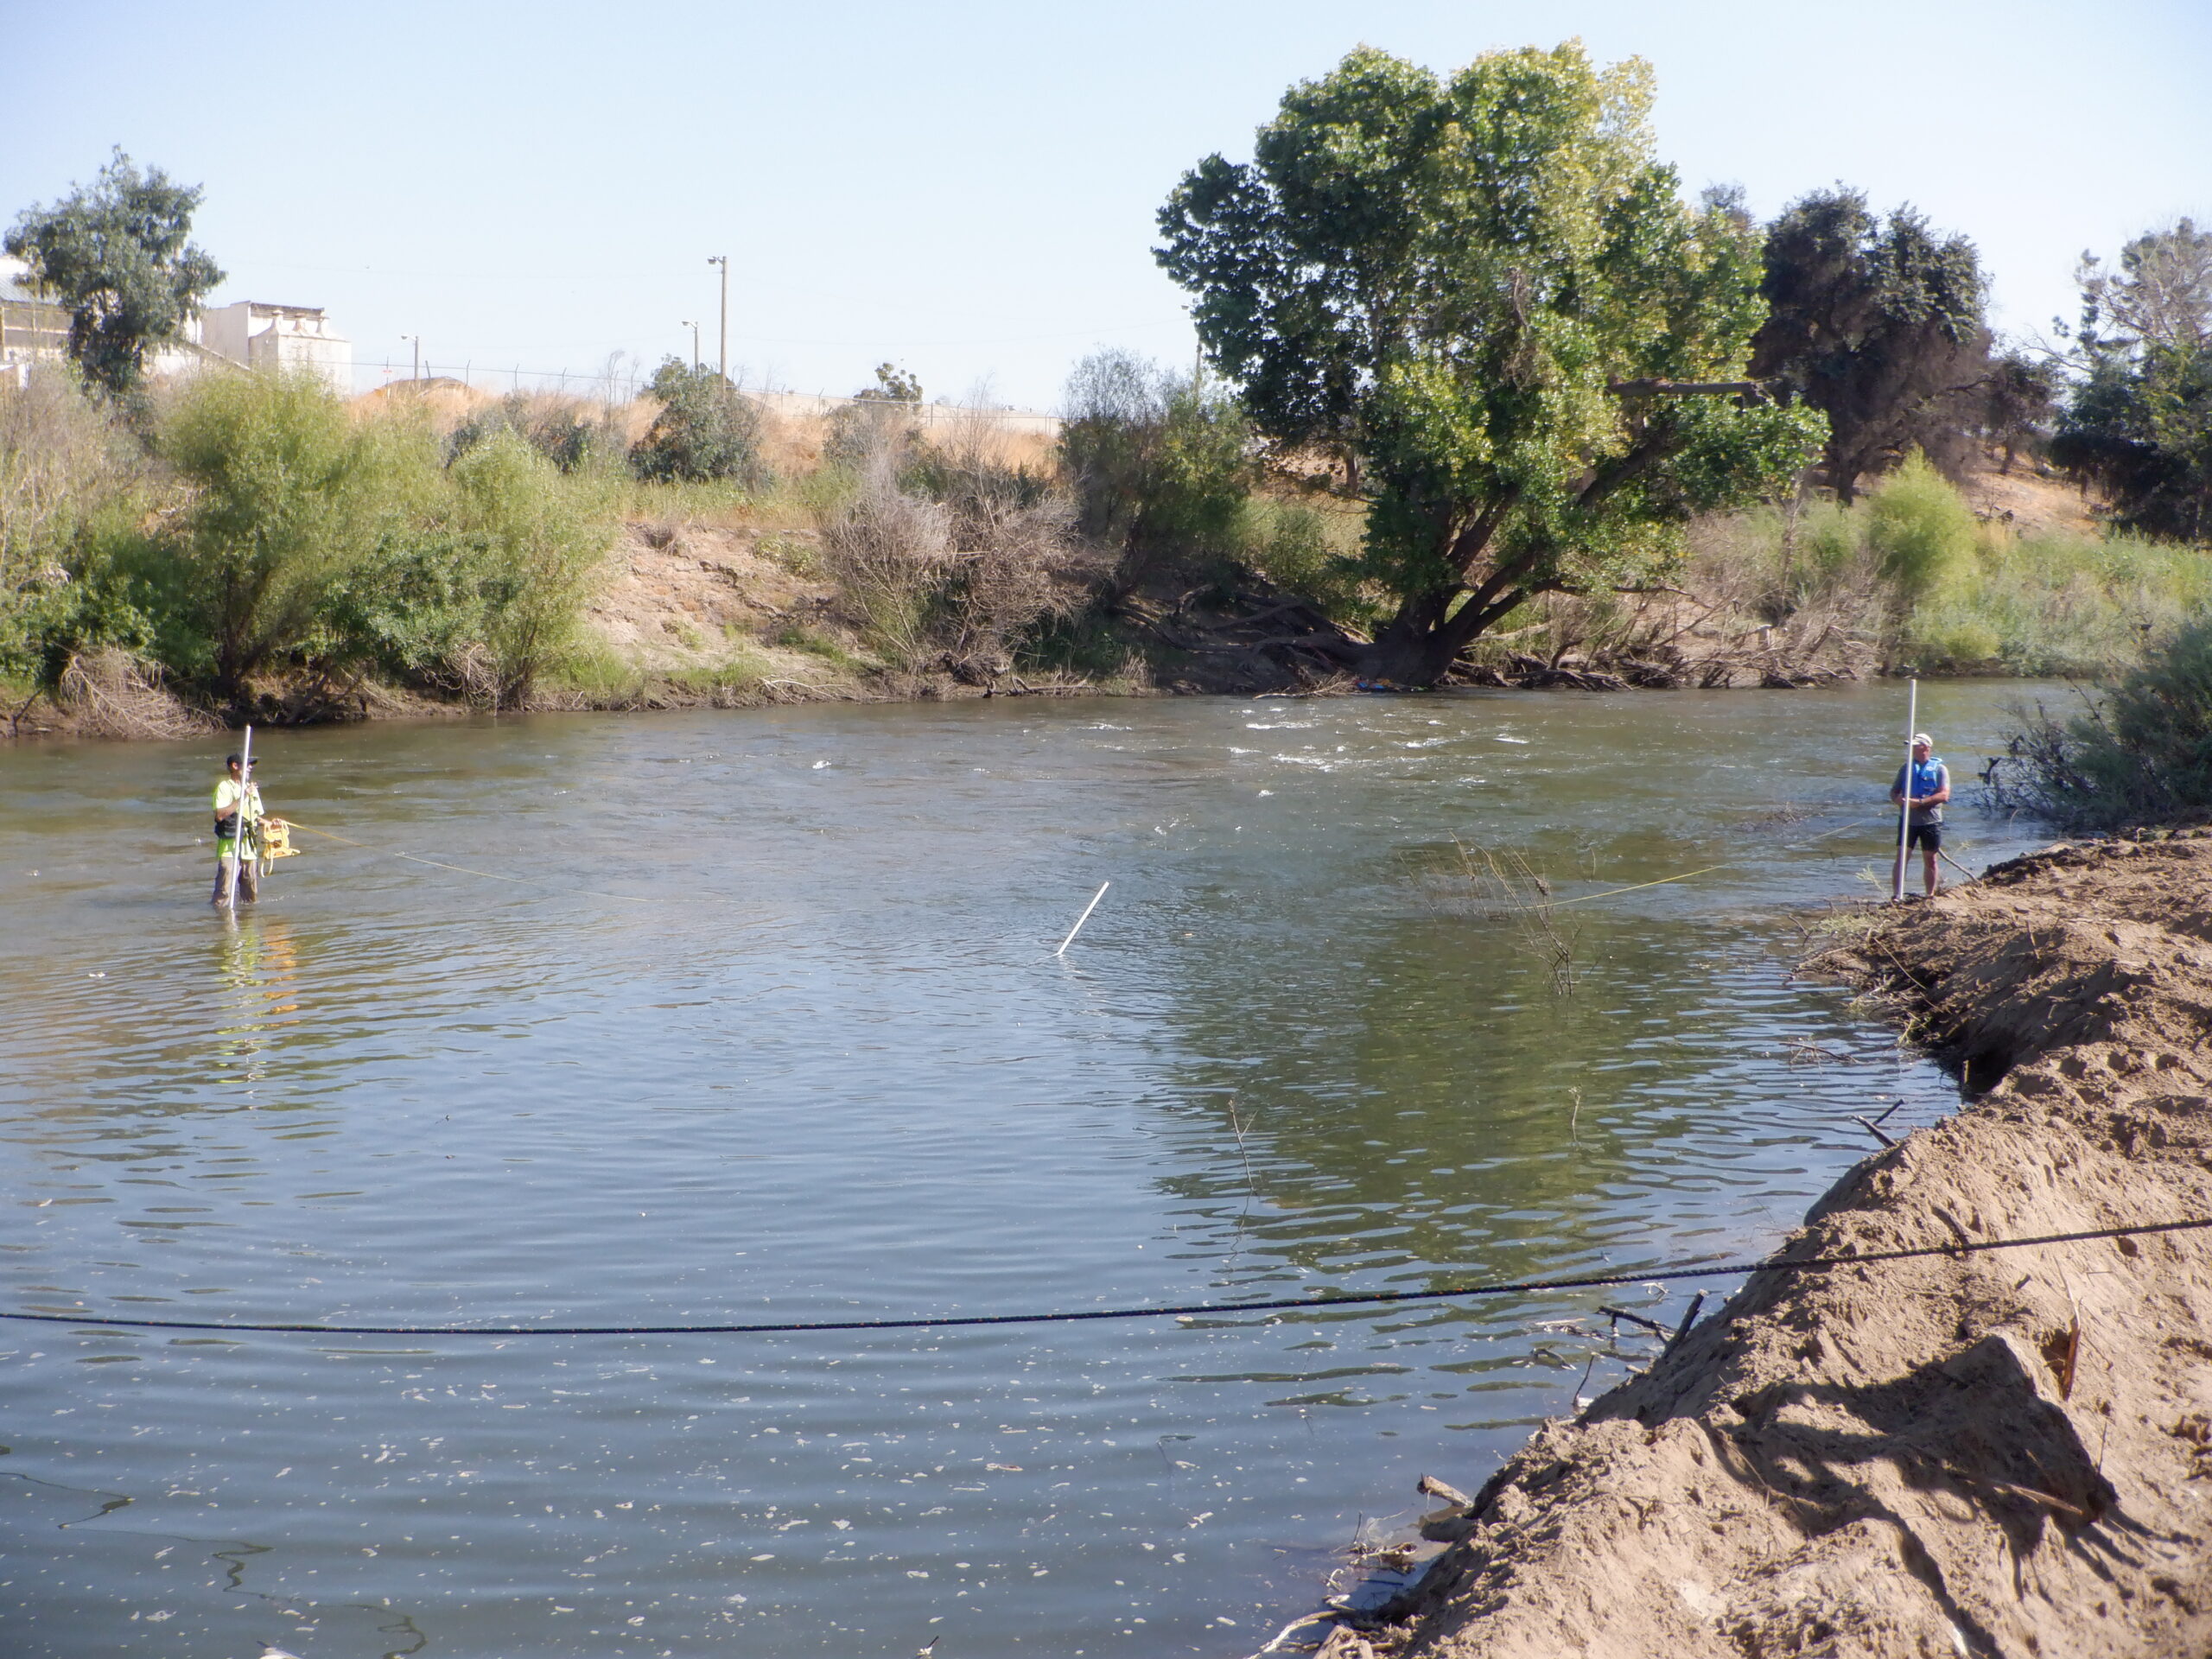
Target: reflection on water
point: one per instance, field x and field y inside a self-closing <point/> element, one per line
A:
<point x="254" y="961"/>
<point x="767" y="1024"/>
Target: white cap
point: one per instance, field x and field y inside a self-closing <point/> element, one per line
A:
<point x="1918" y="737"/>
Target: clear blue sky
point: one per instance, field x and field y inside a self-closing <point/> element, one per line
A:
<point x="969" y="188"/>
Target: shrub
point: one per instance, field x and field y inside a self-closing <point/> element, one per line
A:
<point x="1307" y="552"/>
<point x="286" y="496"/>
<point x="560" y="430"/>
<point x="1920" y="527"/>
<point x="955" y="560"/>
<point x="2145" y="754"/>
<point x="1160" y="468"/>
<point x="705" y="430"/>
<point x="877" y="415"/>
<point x="536" y="542"/>
<point x="71" y="482"/>
<point x="867" y="426"/>
<point x="888" y="552"/>
<point x="2059" y="603"/>
<point x="413" y="609"/>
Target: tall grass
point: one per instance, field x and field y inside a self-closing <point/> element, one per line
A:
<point x="2057" y="604"/>
<point x="1912" y="568"/>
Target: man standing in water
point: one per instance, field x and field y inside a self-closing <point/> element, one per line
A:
<point x="1929" y="781"/>
<point x="238" y="816"/>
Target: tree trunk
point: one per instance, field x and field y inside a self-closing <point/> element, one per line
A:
<point x="1419" y="646"/>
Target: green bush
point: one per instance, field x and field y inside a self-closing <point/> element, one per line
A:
<point x="73" y="488"/>
<point x="1832" y="538"/>
<point x="1920" y="528"/>
<point x="705" y="430"/>
<point x="1310" y="554"/>
<point x="2145" y="754"/>
<point x="286" y="496"/>
<point x="1161" y="469"/>
<point x="536" y="542"/>
<point x="560" y="431"/>
<point x="2058" y="604"/>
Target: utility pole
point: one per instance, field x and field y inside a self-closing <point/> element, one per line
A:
<point x="694" y="328"/>
<point x="417" y="339"/>
<point x="722" y="259"/>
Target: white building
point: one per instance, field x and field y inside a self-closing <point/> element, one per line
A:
<point x="30" y="328"/>
<point x="251" y="334"/>
<point x="280" y="338"/>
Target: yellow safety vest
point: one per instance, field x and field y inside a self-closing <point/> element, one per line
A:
<point x="226" y="811"/>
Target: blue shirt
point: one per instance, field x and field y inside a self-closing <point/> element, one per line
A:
<point x="1930" y="777"/>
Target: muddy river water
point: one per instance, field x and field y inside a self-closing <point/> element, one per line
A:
<point x="755" y="1016"/>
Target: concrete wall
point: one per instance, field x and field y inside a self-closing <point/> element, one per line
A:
<point x="274" y="338"/>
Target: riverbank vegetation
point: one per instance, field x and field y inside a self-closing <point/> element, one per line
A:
<point x="1569" y="428"/>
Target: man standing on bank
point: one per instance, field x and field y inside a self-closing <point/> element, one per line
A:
<point x="1930" y="783"/>
<point x="238" y="818"/>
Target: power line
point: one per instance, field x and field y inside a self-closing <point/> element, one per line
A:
<point x="1185" y="1310"/>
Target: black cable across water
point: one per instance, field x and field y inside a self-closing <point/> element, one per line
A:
<point x="1187" y="1310"/>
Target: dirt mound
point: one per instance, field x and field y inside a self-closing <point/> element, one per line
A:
<point x="2001" y="1454"/>
<point x="685" y="596"/>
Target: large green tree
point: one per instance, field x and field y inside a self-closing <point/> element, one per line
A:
<point x="2139" y="423"/>
<point x="115" y="253"/>
<point x="1878" y="324"/>
<point x="1488" y="304"/>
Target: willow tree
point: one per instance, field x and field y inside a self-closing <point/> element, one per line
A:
<point x="1488" y="304"/>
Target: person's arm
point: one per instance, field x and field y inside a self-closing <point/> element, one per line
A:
<point x="1942" y="788"/>
<point x="1896" y="790"/>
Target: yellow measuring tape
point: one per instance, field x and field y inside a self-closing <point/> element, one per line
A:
<point x="1614" y="892"/>
<point x="1609" y="892"/>
<point x="463" y="869"/>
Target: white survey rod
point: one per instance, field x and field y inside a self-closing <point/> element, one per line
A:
<point x="1081" y="919"/>
<point x="238" y="844"/>
<point x="1905" y="801"/>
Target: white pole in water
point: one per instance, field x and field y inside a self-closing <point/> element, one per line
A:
<point x="1904" y="804"/>
<point x="238" y="846"/>
<point x="1081" y="919"/>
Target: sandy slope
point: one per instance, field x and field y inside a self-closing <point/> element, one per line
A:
<point x="1920" y="1458"/>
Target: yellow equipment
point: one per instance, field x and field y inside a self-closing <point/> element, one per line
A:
<point x="275" y="838"/>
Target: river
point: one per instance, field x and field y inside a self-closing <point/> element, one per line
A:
<point x="755" y="1016"/>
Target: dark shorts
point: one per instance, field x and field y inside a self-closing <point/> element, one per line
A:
<point x="1929" y="835"/>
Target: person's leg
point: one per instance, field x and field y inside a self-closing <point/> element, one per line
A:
<point x="222" y="879"/>
<point x="1928" y="859"/>
<point x="250" y="879"/>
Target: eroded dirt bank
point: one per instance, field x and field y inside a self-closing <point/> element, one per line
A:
<point x="1923" y="1458"/>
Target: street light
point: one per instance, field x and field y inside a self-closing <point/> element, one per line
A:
<point x="722" y="259"/>
<point x="694" y="328"/>
<point x="417" y="339"/>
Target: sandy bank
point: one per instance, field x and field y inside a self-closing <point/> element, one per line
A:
<point x="2005" y="1454"/>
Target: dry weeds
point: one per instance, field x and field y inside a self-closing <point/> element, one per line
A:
<point x="112" y="694"/>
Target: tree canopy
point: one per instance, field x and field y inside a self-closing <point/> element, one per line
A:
<point x="115" y="254"/>
<point x="1878" y="325"/>
<point x="1483" y="300"/>
<point x="2139" y="425"/>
